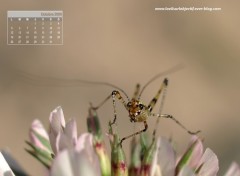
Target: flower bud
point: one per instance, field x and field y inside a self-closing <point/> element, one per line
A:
<point x="98" y="142"/>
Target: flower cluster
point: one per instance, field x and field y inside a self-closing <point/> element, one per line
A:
<point x="65" y="153"/>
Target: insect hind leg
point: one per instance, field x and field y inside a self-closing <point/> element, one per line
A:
<point x="177" y="122"/>
<point x="155" y="99"/>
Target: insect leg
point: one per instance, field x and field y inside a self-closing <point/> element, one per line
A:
<point x="114" y="94"/>
<point x="155" y="99"/>
<point x="134" y="134"/>
<point x="117" y="94"/>
<point x="177" y="122"/>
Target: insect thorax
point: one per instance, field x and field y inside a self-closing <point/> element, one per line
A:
<point x="137" y="111"/>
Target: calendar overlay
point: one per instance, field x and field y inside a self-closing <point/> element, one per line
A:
<point x="35" y="27"/>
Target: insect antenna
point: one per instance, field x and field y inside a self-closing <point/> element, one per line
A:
<point x="171" y="70"/>
<point x="136" y="92"/>
<point x="52" y="81"/>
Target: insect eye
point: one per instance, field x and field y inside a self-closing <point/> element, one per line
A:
<point x="141" y="106"/>
<point x="129" y="104"/>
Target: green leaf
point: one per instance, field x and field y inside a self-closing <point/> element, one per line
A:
<point x="44" y="157"/>
<point x="45" y="162"/>
<point x="186" y="157"/>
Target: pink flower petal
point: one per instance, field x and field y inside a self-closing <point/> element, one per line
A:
<point x="234" y="170"/>
<point x="208" y="163"/>
<point x="38" y="128"/>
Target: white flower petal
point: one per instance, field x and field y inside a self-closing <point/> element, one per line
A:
<point x="155" y="170"/>
<point x="186" y="171"/>
<point x="71" y="130"/>
<point x="64" y="142"/>
<point x="85" y="144"/>
<point x="4" y="167"/>
<point x="73" y="163"/>
<point x="85" y="141"/>
<point x="197" y="152"/>
<point x="62" y="165"/>
<point x="234" y="170"/>
<point x="53" y="142"/>
<point x="66" y="139"/>
<point x="209" y="162"/>
<point x="84" y="166"/>
<point x="166" y="157"/>
<point x="57" y="121"/>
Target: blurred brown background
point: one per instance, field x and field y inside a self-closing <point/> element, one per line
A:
<point x="125" y="42"/>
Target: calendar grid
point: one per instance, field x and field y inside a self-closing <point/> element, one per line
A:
<point x="35" y="27"/>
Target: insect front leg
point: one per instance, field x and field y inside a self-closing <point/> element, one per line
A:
<point x="116" y="94"/>
<point x="134" y="134"/>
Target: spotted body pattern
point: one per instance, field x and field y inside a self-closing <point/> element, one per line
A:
<point x="138" y="111"/>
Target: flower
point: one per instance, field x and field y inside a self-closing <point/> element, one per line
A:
<point x="61" y="135"/>
<point x="62" y="145"/>
<point x="193" y="162"/>
<point x="36" y="131"/>
<point x="233" y="170"/>
<point x="4" y="167"/>
<point x="80" y="162"/>
<point x="39" y="143"/>
<point x="200" y="164"/>
<point x="118" y="159"/>
<point x="65" y="153"/>
<point x="164" y="161"/>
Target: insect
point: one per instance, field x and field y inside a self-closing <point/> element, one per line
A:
<point x="138" y="111"/>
